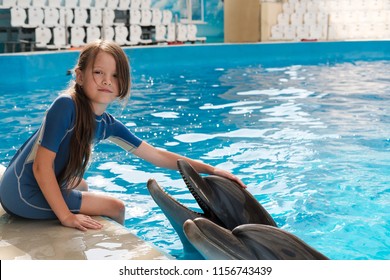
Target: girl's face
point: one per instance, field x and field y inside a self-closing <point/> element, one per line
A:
<point x="100" y="82"/>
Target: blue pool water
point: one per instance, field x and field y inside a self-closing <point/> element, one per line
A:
<point x="312" y="142"/>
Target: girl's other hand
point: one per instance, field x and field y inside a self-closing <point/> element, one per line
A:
<point x="226" y="174"/>
<point x="81" y="222"/>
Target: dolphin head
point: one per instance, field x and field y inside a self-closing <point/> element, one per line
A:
<point x="214" y="242"/>
<point x="249" y="241"/>
<point x="223" y="201"/>
<point x="176" y="213"/>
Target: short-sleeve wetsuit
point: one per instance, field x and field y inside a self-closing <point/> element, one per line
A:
<point x="20" y="193"/>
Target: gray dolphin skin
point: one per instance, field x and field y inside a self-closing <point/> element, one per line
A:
<point x="247" y="242"/>
<point x="233" y="224"/>
<point x="176" y="213"/>
<point x="223" y="201"/>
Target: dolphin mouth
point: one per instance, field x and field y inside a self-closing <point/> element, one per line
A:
<point x="159" y="193"/>
<point x="176" y="213"/>
<point x="189" y="181"/>
<point x="199" y="189"/>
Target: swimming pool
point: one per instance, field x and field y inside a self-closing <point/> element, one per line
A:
<point x="311" y="141"/>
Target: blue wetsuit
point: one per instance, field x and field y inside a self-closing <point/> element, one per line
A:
<point x="19" y="191"/>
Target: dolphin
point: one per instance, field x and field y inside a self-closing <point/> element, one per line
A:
<point x="247" y="242"/>
<point x="222" y="201"/>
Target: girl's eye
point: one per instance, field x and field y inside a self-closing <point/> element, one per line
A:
<point x="97" y="72"/>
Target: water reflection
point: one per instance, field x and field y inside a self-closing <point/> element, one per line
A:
<point x="311" y="143"/>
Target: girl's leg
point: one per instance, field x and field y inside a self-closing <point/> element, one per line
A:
<point x="83" y="186"/>
<point x="94" y="204"/>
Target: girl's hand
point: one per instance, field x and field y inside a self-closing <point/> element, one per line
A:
<point x="81" y="222"/>
<point x="226" y="174"/>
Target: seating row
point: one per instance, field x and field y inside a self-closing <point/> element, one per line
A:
<point x="365" y="31"/>
<point x="332" y="20"/>
<point x="333" y="32"/>
<point x="113" y="4"/>
<point x="345" y="17"/>
<point x="35" y="16"/>
<point x="301" y="6"/>
<point x="51" y="24"/>
<point x="59" y="37"/>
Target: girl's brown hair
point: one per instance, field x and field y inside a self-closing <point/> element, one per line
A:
<point x="84" y="129"/>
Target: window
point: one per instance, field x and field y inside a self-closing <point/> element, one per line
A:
<point x="191" y="11"/>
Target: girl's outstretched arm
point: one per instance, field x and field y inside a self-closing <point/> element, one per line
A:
<point x="166" y="159"/>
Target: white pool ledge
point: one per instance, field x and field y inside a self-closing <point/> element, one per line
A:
<point x="22" y="239"/>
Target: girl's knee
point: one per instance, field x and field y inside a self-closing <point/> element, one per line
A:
<point x="119" y="205"/>
<point x="82" y="186"/>
<point x="98" y="204"/>
<point x="118" y="210"/>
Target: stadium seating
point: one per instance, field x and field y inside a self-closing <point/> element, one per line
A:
<point x="58" y="24"/>
<point x="332" y="20"/>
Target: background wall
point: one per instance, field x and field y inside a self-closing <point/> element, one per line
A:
<point x="213" y="9"/>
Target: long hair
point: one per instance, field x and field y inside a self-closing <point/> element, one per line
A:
<point x="84" y="129"/>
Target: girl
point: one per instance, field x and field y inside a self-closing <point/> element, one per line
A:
<point x="44" y="179"/>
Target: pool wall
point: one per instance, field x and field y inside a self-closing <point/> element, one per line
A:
<point x="37" y="70"/>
